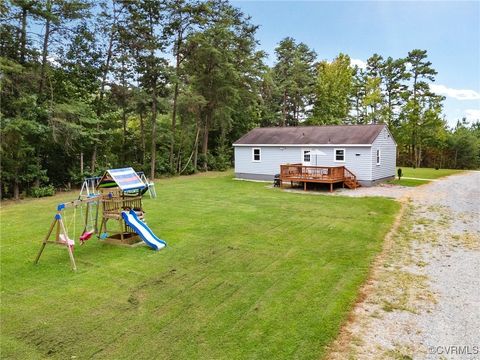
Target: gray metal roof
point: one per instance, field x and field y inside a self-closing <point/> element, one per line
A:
<point x="322" y="135"/>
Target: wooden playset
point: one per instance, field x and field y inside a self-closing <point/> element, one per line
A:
<point x="119" y="191"/>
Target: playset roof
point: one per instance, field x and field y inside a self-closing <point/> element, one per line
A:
<point x="126" y="179"/>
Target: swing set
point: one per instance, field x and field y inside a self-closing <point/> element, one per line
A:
<point x="117" y="191"/>
<point x="62" y="225"/>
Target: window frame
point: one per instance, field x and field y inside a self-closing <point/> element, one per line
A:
<point x="378" y="157"/>
<point x="259" y="154"/>
<point x="309" y="156"/>
<point x="335" y="155"/>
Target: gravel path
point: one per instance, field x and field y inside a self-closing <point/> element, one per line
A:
<point x="423" y="299"/>
<point x="383" y="190"/>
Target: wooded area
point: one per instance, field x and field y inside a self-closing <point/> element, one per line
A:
<point x="166" y="86"/>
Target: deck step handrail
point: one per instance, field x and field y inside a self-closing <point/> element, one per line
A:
<point x="350" y="178"/>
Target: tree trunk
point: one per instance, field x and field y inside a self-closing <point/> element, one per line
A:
<point x="106" y="70"/>
<point x="37" y="179"/>
<point x="81" y="163"/>
<point x="174" y="121"/>
<point x="178" y="43"/>
<point x="124" y="137"/>
<point x="195" y="148"/>
<point x="23" y="36"/>
<point x="94" y="156"/>
<point x="154" y="133"/>
<point x="142" y="138"/>
<point x="178" y="166"/>
<point x="205" y="140"/>
<point x="16" y="189"/>
<point x="194" y="152"/>
<point x="284" y="109"/>
<point x="45" y="47"/>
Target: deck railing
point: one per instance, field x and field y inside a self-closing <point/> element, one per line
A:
<point x="317" y="174"/>
<point x="306" y="172"/>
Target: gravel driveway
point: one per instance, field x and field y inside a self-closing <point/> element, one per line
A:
<point x="423" y="297"/>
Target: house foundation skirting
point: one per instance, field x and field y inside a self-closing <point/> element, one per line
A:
<point x="247" y="176"/>
<point x="267" y="177"/>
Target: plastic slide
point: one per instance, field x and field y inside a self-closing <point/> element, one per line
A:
<point x="143" y="230"/>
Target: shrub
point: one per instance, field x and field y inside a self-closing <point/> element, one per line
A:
<point x="42" y="191"/>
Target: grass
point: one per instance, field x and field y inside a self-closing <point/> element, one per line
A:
<point x="427" y="173"/>
<point x="421" y="175"/>
<point x="249" y="272"/>
<point x="408" y="182"/>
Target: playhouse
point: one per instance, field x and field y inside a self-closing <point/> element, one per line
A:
<point x="120" y="190"/>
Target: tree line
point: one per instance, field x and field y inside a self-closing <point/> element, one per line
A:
<point x="166" y="86"/>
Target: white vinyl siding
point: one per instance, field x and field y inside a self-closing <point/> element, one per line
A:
<point x="387" y="148"/>
<point x="357" y="159"/>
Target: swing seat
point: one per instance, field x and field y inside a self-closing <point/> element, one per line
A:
<point x="86" y="235"/>
<point x="62" y="239"/>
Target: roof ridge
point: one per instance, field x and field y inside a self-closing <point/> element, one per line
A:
<point x="315" y="134"/>
<point x="314" y="126"/>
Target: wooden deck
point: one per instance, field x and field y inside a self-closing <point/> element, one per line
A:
<point x="317" y="174"/>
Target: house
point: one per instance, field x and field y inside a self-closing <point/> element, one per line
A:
<point x="367" y="151"/>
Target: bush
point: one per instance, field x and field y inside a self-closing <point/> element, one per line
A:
<point x="42" y="191"/>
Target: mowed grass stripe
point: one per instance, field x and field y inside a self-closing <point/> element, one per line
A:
<point x="249" y="272"/>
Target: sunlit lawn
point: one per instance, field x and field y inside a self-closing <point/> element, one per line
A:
<point x="250" y="272"/>
<point x="427" y="173"/>
<point x="421" y="176"/>
<point x="408" y="182"/>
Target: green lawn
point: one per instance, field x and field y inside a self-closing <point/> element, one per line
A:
<point x="249" y="272"/>
<point x="427" y="173"/>
<point x="421" y="175"/>
<point x="408" y="182"/>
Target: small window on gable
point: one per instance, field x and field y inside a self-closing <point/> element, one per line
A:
<point x="306" y="155"/>
<point x="339" y="155"/>
<point x="256" y="155"/>
<point x="378" y="156"/>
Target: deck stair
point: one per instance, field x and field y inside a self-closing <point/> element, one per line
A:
<point x="349" y="179"/>
<point x="351" y="183"/>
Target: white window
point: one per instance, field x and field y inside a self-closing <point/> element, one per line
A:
<point x="339" y="155"/>
<point x="378" y="156"/>
<point x="306" y="156"/>
<point x="256" y="155"/>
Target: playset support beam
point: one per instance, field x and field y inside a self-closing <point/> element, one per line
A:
<point x="61" y="230"/>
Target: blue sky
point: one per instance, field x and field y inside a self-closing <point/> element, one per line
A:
<point x="448" y="30"/>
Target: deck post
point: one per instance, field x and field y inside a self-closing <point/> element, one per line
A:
<point x="304" y="186"/>
<point x="331" y="187"/>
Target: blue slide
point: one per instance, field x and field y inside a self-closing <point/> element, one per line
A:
<point x="143" y="230"/>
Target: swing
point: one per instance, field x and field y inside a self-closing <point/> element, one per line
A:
<point x="90" y="223"/>
<point x="59" y="226"/>
<point x="64" y="238"/>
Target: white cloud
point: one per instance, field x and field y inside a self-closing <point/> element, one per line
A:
<point x="360" y="63"/>
<point x="472" y="114"/>
<point x="459" y="94"/>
